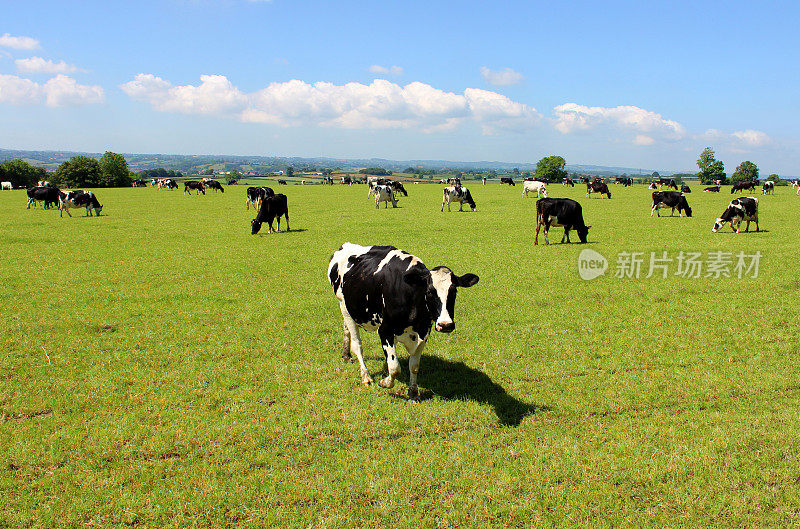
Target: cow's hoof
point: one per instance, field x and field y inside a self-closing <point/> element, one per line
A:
<point x="386" y="383"/>
<point x="413" y="394"/>
<point x="366" y="380"/>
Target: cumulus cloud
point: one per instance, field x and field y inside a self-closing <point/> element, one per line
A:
<point x="392" y="70"/>
<point x="378" y="105"/>
<point x="18" y="43"/>
<point x="646" y="126"/>
<point x="59" y="91"/>
<point x="504" y="77"/>
<point x="39" y="65"/>
<point x="752" y="138"/>
<point x="739" y="141"/>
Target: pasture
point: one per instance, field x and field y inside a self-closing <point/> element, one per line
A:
<point x="161" y="367"/>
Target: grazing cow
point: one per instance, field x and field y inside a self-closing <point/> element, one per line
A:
<point x="168" y="183"/>
<point x="256" y="194"/>
<point x="744" y="208"/>
<point x="282" y="182"/>
<point x="670" y="183"/>
<point x="457" y="194"/>
<point x="43" y="183"/>
<point x="79" y="199"/>
<point x="139" y="183"/>
<point x="568" y="182"/>
<point x="193" y="184"/>
<point x="48" y="195"/>
<point x="744" y="185"/>
<point x="768" y="188"/>
<point x="6" y="186"/>
<point x="534" y="186"/>
<point x="216" y="186"/>
<point x="670" y="199"/>
<point x="383" y="289"/>
<point x="584" y="180"/>
<point x="652" y="186"/>
<point x="685" y="189"/>
<point x="347" y="180"/>
<point x="712" y="189"/>
<point x="232" y="182"/>
<point x="597" y="187"/>
<point x="506" y="180"/>
<point x="272" y="207"/>
<point x="384" y="194"/>
<point x="560" y="212"/>
<point x="626" y="182"/>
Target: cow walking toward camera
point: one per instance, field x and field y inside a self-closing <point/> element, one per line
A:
<point x="384" y="194"/>
<point x="383" y="289"/>
<point x="744" y="208"/>
<point x="273" y="207"/>
<point x="457" y="194"/>
<point x="560" y="212"/>
<point x="670" y="199"/>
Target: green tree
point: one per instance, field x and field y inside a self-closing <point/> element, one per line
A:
<point x="114" y="170"/>
<point x="79" y="171"/>
<point x="711" y="169"/>
<point x="551" y="169"/>
<point x="21" y="173"/>
<point x="777" y="179"/>
<point x="289" y="172"/>
<point x="746" y="170"/>
<point x="655" y="175"/>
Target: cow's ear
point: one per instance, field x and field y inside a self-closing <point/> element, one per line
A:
<point x="467" y="280"/>
<point x="416" y="277"/>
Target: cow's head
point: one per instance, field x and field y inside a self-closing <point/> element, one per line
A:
<point x="256" y="226"/>
<point x="718" y="224"/>
<point x="440" y="286"/>
<point x="687" y="209"/>
<point x="583" y="233"/>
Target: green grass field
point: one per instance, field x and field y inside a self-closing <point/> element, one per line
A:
<point x="160" y="366"/>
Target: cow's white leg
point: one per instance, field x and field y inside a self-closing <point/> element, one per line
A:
<point x="355" y="344"/>
<point x="413" y="369"/>
<point x="390" y="352"/>
<point x="546" y="231"/>
<point x="652" y="210"/>
<point x="346" y="343"/>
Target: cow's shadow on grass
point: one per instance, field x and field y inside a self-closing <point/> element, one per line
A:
<point x="293" y="230"/>
<point x="457" y="381"/>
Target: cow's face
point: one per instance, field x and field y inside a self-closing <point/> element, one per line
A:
<point x="441" y="295"/>
<point x="687" y="210"/>
<point x="583" y="233"/>
<point x="256" y="225"/>
<point x="718" y="224"/>
<point x="98" y="209"/>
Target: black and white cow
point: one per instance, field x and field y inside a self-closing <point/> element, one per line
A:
<point x="79" y="199"/>
<point x="6" y="186"/>
<point x="670" y="183"/>
<point x="685" y="189"/>
<point x="652" y="186"/>
<point x="384" y="194"/>
<point x="560" y="212"/>
<point x="457" y="194"/>
<point x="712" y="189"/>
<point x="256" y="194"/>
<point x="346" y="180"/>
<point x="139" y="183"/>
<point x="483" y="180"/>
<point x="272" y="207"/>
<point x="213" y="184"/>
<point x="383" y="289"/>
<point x="597" y="187"/>
<point x="282" y="182"/>
<point x="232" y="182"/>
<point x="168" y="183"/>
<point x="768" y="188"/>
<point x="744" y="208"/>
<point x="568" y="182"/>
<point x="48" y="195"/>
<point x="506" y="180"/>
<point x="626" y="182"/>
<point x="744" y="185"/>
<point x="193" y="184"/>
<point x="398" y="187"/>
<point x="670" y="199"/>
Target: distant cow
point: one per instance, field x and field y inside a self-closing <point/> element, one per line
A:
<point x="744" y="185"/>
<point x="626" y="182"/>
<point x="43" y="183"/>
<point x="532" y="186"/>
<point x="216" y="186"/>
<point x="712" y="189"/>
<point x="506" y="180"/>
<point x="670" y="183"/>
<point x="652" y="186"/>
<point x="346" y="180"/>
<point x="232" y="182"/>
<point x="670" y="199"/>
<point x="282" y="182"/>
<point x="398" y="186"/>
<point x="584" y="180"/>
<point x="193" y="184"/>
<point x="568" y="182"/>
<point x="768" y="188"/>
<point x="139" y="183"/>
<point x="79" y="199"/>
<point x="685" y="189"/>
<point x="169" y="183"/>
<point x="272" y="208"/>
<point x="48" y="195"/>
<point x="484" y="180"/>
<point x="560" y="212"/>
<point x="383" y="289"/>
<point x="744" y="208"/>
<point x="256" y="194"/>
<point x="6" y="186"/>
<point x="457" y="194"/>
<point x="384" y="194"/>
<point x="598" y="187"/>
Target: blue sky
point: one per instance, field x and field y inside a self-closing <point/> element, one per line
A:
<point x="635" y="84"/>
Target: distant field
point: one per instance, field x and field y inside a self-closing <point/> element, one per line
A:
<point x="160" y="366"/>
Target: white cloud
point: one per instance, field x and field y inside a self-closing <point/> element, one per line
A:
<point x="752" y="138"/>
<point x="392" y="70"/>
<point x="648" y="126"/>
<point x="18" y="43"/>
<point x="39" y="65"/>
<point x="59" y="91"/>
<point x="740" y="141"/>
<point x="378" y="105"/>
<point x="504" y="77"/>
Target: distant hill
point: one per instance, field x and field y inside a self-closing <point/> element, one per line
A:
<point x="195" y="164"/>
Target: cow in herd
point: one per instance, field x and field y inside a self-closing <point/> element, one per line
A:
<point x="768" y="188"/>
<point x="255" y="195"/>
<point x="534" y="186"/>
<point x="685" y="189"/>
<point x="739" y="209"/>
<point x="597" y="187"/>
<point x="384" y="193"/>
<point x="626" y="182"/>
<point x="560" y="212"/>
<point x="384" y="289"/>
<point x="6" y="186"/>
<point x="670" y="199"/>
<point x="272" y="207"/>
<point x="213" y="184"/>
<point x="568" y="182"/>
<point x="79" y="199"/>
<point x="193" y="185"/>
<point x="744" y="185"/>
<point x="712" y="189"/>
<point x="457" y="194"/>
<point x="506" y="180"/>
